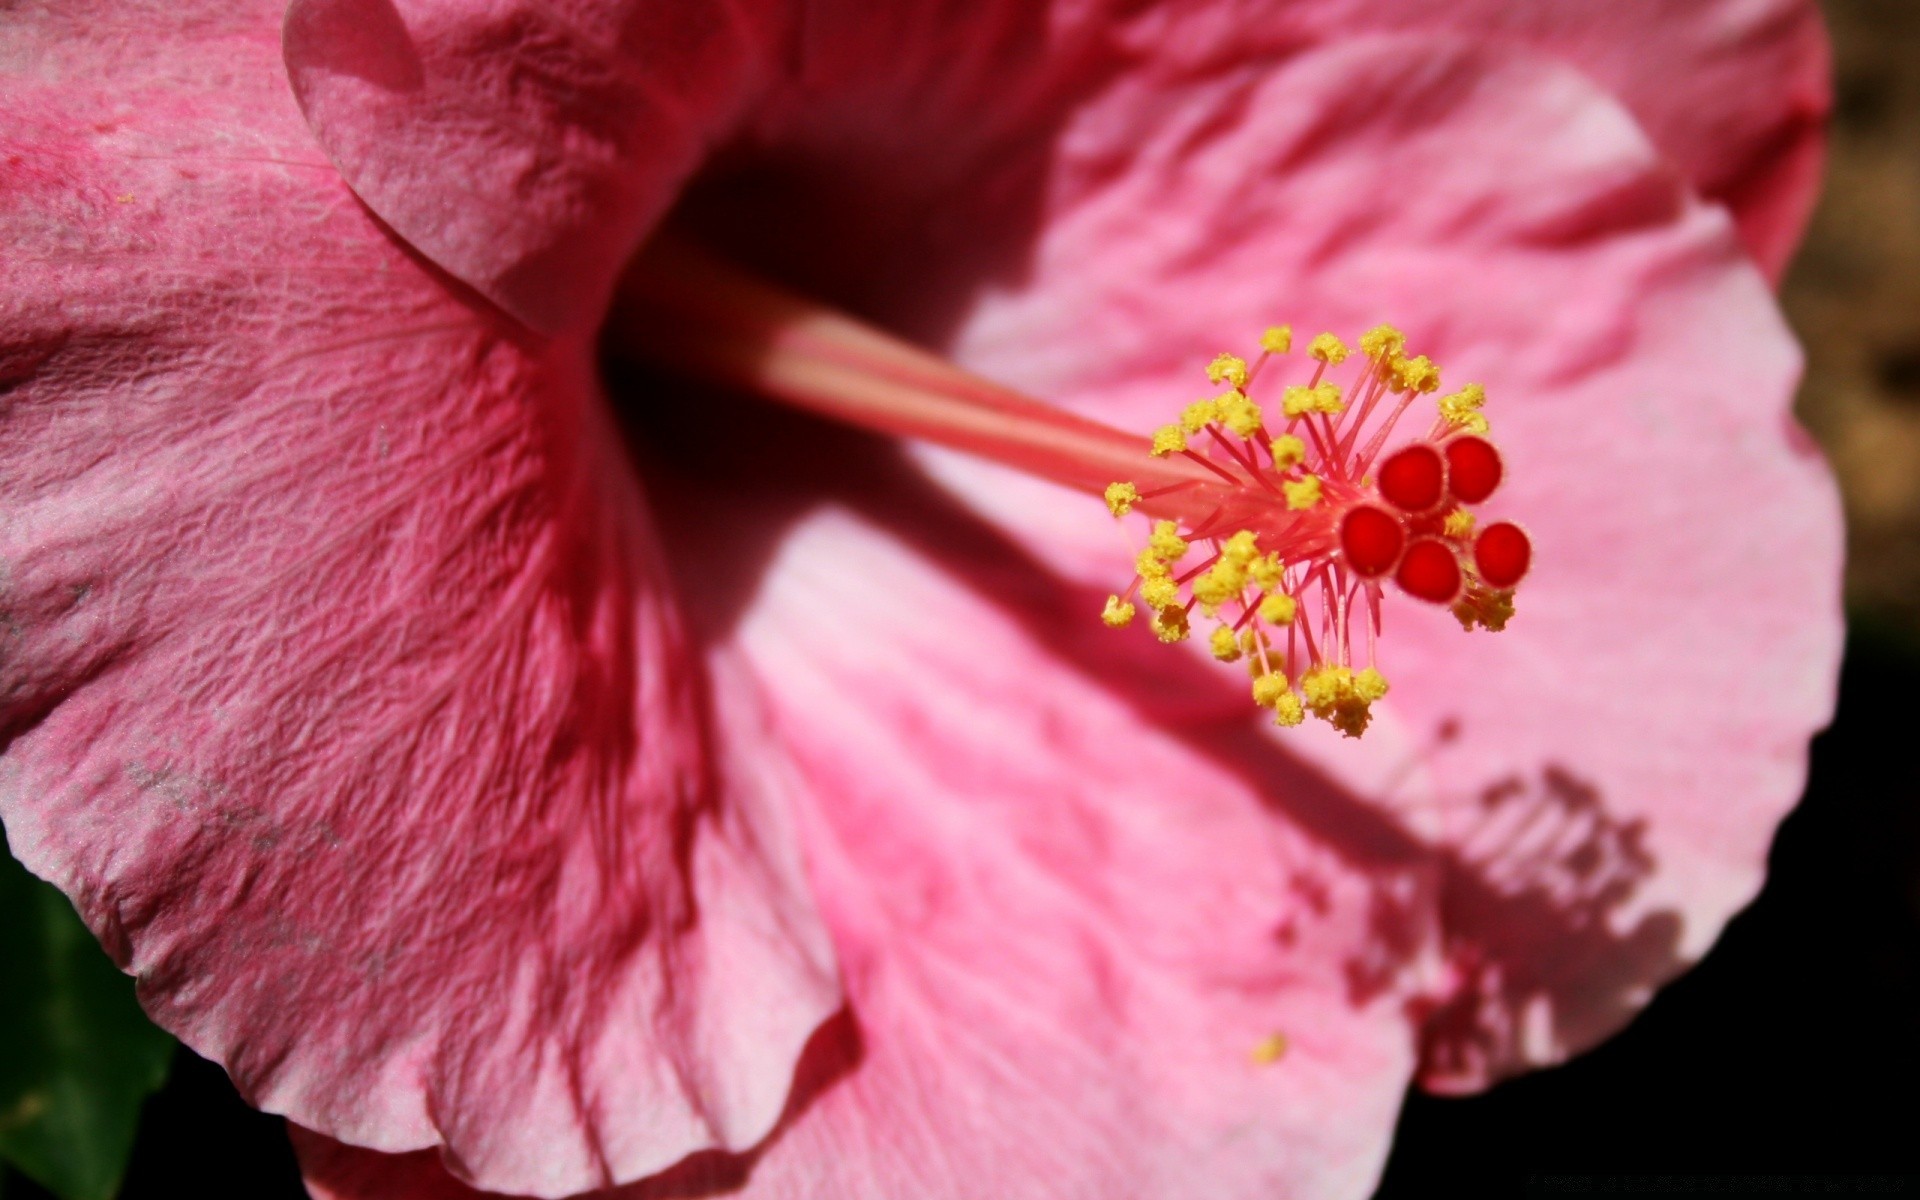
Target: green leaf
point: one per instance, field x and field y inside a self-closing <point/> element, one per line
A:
<point x="77" y="1055"/>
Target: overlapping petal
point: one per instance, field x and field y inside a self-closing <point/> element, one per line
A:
<point x="341" y="683"/>
<point x="1602" y="779"/>
<point x="527" y="146"/>
<point x="1546" y="825"/>
<point x="369" y="660"/>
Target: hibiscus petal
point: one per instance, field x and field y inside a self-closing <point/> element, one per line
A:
<point x="1733" y="92"/>
<point x="527" y="146"/>
<point x="1069" y="918"/>
<point x="342" y="689"/>
<point x="1600" y="781"/>
<point x="524" y="145"/>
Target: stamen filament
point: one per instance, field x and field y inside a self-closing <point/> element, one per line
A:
<point x="681" y="308"/>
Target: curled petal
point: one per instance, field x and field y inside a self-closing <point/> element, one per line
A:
<point x="342" y="686"/>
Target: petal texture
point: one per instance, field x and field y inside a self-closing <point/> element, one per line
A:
<point x="525" y="145"/>
<point x="1046" y="850"/>
<point x="1067" y="924"/>
<point x="1600" y="782"/>
<point x="340" y="682"/>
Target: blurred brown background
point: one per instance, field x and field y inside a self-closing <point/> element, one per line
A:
<point x="1854" y="296"/>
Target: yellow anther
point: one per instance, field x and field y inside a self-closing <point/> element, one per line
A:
<point x="1168" y="439"/>
<point x="1266" y="571"/>
<point x="1481" y="606"/>
<point x="1166" y="542"/>
<point x="1229" y="369"/>
<point x="1462" y="409"/>
<point x="1241" y="548"/>
<point x="1160" y="591"/>
<point x="1328" y="349"/>
<point x="1417" y="374"/>
<point x="1322" y="398"/>
<point x="1240" y="414"/>
<point x="1289" y="711"/>
<point x="1198" y="415"/>
<point x="1369" y="685"/>
<point x="1222" y="644"/>
<point x="1118" y="613"/>
<point x="1170" y="624"/>
<point x="1341" y="698"/>
<point x="1225" y="580"/>
<point x="1121" y="497"/>
<point x="1382" y="342"/>
<point x="1268" y="688"/>
<point x="1288" y="451"/>
<point x="1459" y="524"/>
<point x="1279" y="609"/>
<point x="1302" y="494"/>
<point x="1149" y="565"/>
<point x="1278" y="339"/>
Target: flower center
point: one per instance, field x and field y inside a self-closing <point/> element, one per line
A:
<point x="1295" y="544"/>
<point x="1284" y="539"/>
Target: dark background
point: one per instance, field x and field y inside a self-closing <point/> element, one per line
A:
<point x="1793" y="1049"/>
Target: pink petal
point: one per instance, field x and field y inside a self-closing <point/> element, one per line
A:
<point x="1070" y="908"/>
<point x="525" y="146"/>
<point x="1047" y="851"/>
<point x="343" y="691"/>
<point x="1646" y="715"/>
<point x="1733" y="92"/>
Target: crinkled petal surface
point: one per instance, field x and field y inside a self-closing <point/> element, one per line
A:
<point x="1072" y="882"/>
<point x="340" y="682"/>
<point x="527" y="145"/>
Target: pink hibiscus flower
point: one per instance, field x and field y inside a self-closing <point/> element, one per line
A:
<point x="789" y="824"/>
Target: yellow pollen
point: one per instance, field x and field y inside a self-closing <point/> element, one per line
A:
<point x="1241" y="548"/>
<point x="1229" y="369"/>
<point x="1222" y="583"/>
<point x="1485" y="608"/>
<point x="1324" y="398"/>
<point x="1269" y="1050"/>
<point x="1342" y="698"/>
<point x="1462" y="409"/>
<point x="1277" y="340"/>
<point x="1240" y="414"/>
<point x="1118" y="614"/>
<point x="1121" y="497"/>
<point x="1279" y="609"/>
<point x="1168" y="439"/>
<point x="1459" y="524"/>
<point x="1288" y="451"/>
<point x="1198" y="415"/>
<point x="1268" y="688"/>
<point x="1328" y="349"/>
<point x="1222" y="644"/>
<point x="1370" y="685"/>
<point x="1170" y="624"/>
<point x="1303" y="494"/>
<point x="1266" y="571"/>
<point x="1416" y="374"/>
<point x="1289" y="711"/>
<point x="1382" y="342"/>
<point x="1166" y="542"/>
<point x="1149" y="565"/>
<point x="1160" y="591"/>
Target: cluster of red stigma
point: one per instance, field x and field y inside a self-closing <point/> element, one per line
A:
<point x="1297" y="533"/>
